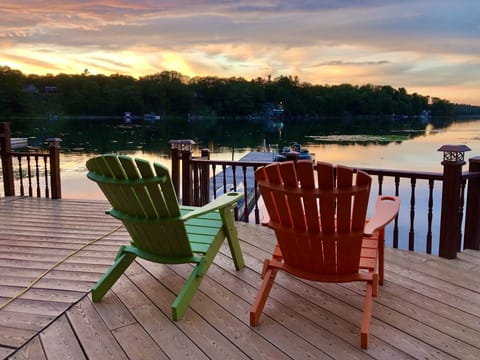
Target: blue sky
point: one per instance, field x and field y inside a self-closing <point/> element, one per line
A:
<point x="429" y="47"/>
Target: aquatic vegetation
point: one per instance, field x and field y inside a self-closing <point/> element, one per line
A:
<point x="359" y="138"/>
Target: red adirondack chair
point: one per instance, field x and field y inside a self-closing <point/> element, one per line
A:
<point x="321" y="228"/>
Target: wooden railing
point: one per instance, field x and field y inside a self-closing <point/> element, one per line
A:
<point x="33" y="173"/>
<point x="443" y="195"/>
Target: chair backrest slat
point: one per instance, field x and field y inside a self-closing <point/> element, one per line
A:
<point x="310" y="203"/>
<point x="326" y="178"/>
<point x="290" y="180"/>
<point x="344" y="199"/>
<point x="168" y="191"/>
<point x="282" y="209"/>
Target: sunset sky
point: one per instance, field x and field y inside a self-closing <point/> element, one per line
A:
<point x="426" y="46"/>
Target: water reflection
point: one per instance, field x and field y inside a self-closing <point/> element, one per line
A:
<point x="103" y="135"/>
<point x="377" y="143"/>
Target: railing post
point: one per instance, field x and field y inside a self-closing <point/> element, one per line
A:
<point x="176" y="157"/>
<point x="182" y="150"/>
<point x="187" y="182"/>
<point x="472" y="214"/>
<point x="450" y="222"/>
<point x="7" y="165"/>
<point x="54" y="151"/>
<point x="205" y="178"/>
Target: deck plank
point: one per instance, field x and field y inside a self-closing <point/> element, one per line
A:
<point x="198" y="328"/>
<point x="92" y="331"/>
<point x="59" y="341"/>
<point x="231" y="315"/>
<point x="137" y="343"/>
<point x="31" y="351"/>
<point x="428" y="308"/>
<point x="174" y="342"/>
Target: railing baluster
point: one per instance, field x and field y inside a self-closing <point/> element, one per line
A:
<point x="196" y="187"/>
<point x="20" y="171"/>
<point x="380" y="184"/>
<point x="430" y="216"/>
<point x="460" y="211"/>
<point x="234" y="180"/>
<point x="29" y="174"/>
<point x="255" y="187"/>
<point x="411" y="233"/>
<point x="47" y="190"/>
<point x="224" y="169"/>
<point x="214" y="181"/>
<point x="37" y="175"/>
<point x="395" y="225"/>
<point x="245" y="194"/>
<point x="234" y="184"/>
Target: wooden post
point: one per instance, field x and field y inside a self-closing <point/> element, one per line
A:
<point x="176" y="156"/>
<point x="7" y="165"/>
<point x="55" y="183"/>
<point x="187" y="182"/>
<point x="182" y="150"/>
<point x="450" y="222"/>
<point x="472" y="215"/>
<point x="205" y="178"/>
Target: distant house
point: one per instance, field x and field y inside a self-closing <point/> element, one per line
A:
<point x="31" y="89"/>
<point x="50" y="89"/>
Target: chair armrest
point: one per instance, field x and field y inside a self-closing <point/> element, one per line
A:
<point x="386" y="208"/>
<point x="225" y="200"/>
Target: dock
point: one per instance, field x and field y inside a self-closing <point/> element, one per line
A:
<point x="53" y="251"/>
<point x="231" y="179"/>
<point x="19" y="143"/>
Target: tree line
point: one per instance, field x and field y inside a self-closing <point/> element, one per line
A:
<point x="171" y="93"/>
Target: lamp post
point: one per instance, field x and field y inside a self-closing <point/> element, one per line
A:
<point x="452" y="207"/>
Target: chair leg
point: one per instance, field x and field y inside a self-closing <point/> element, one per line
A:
<point x="190" y="287"/>
<point x="232" y="237"/>
<point x="262" y="295"/>
<point x="367" y="315"/>
<point x="381" y="255"/>
<point x="185" y="296"/>
<point x="122" y="262"/>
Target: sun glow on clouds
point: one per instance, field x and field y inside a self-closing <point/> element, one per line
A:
<point x="430" y="47"/>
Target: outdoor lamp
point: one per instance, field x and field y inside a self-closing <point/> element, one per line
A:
<point x="182" y="145"/>
<point x="53" y="142"/>
<point x="454" y="154"/>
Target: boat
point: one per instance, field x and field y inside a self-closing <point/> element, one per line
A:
<point x="19" y="143"/>
<point x="127" y="117"/>
<point x="151" y="117"/>
<point x="294" y="151"/>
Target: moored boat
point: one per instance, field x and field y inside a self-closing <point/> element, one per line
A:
<point x="292" y="152"/>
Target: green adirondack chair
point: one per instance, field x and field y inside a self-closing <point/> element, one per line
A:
<point x="162" y="231"/>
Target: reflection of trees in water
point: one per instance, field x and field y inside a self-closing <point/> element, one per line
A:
<point x="106" y="135"/>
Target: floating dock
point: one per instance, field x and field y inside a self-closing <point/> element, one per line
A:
<point x="235" y="179"/>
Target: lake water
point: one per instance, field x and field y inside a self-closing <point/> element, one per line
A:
<point x="406" y="145"/>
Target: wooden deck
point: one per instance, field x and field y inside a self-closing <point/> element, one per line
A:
<point x="428" y="308"/>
